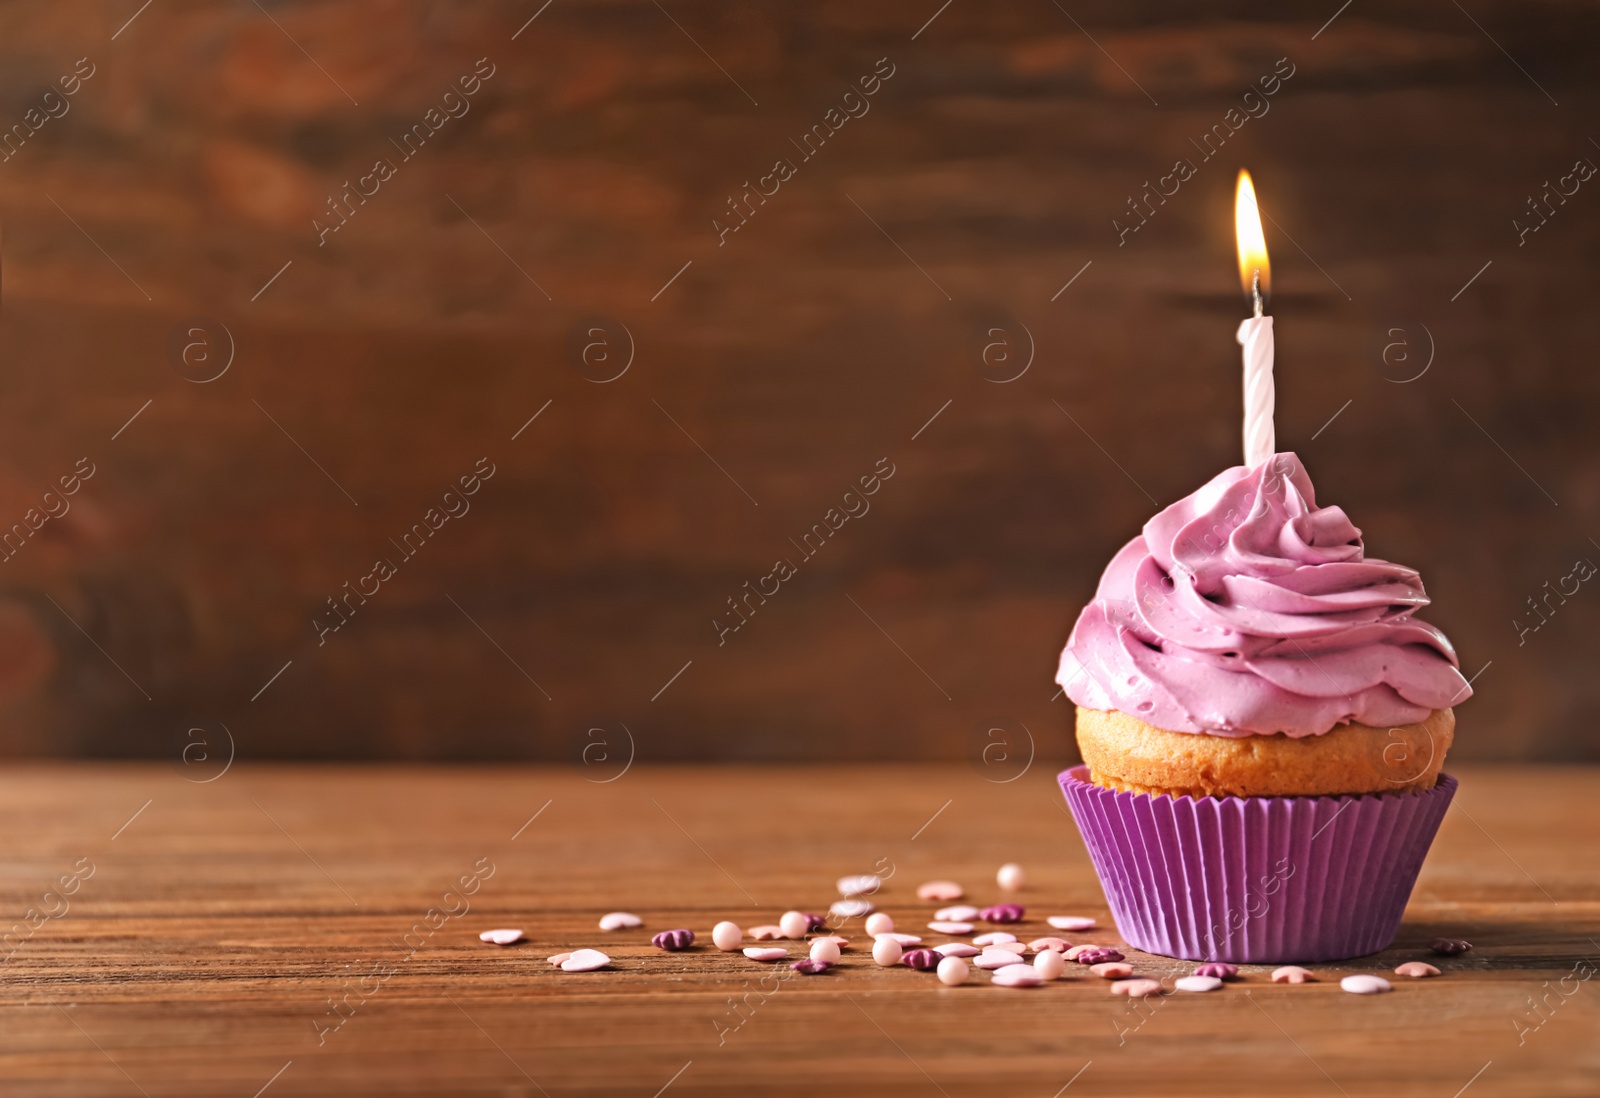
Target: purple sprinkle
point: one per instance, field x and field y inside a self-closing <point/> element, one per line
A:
<point x="923" y="960"/>
<point x="815" y="922"/>
<point x="1222" y="970"/>
<point x="1449" y="947"/>
<point x="1099" y="956"/>
<point x="674" y="940"/>
<point x="809" y="967"/>
<point x="1002" y="913"/>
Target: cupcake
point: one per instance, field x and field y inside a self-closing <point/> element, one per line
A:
<point x="1263" y="723"/>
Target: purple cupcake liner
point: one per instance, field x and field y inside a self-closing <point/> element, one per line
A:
<point x="1260" y="880"/>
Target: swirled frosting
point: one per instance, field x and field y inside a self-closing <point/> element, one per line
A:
<point x="1247" y="609"/>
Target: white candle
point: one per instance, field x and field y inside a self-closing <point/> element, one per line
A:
<point x="1255" y="334"/>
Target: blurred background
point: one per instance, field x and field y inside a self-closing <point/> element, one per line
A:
<point x="279" y="275"/>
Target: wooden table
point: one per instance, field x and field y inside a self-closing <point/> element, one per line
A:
<point x="215" y="930"/>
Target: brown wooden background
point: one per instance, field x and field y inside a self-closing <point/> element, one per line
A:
<point x="376" y="369"/>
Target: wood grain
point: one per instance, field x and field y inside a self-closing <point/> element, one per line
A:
<point x="217" y="925"/>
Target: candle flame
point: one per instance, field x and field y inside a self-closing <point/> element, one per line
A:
<point x="1252" y="241"/>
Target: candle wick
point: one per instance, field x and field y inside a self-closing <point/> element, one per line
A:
<point x="1255" y="291"/>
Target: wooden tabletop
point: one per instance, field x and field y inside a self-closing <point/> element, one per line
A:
<point x="269" y="931"/>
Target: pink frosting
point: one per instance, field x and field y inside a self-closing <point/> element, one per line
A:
<point x="1247" y="609"/>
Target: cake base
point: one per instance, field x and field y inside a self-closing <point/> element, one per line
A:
<point x="1257" y="880"/>
<point x="1125" y="753"/>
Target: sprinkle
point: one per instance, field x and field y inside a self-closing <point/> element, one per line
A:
<point x="1112" y="970"/>
<point x="673" y="940"/>
<point x="1136" y="989"/>
<point x="953" y="971"/>
<point x="825" y="950"/>
<point x="768" y="933"/>
<point x="1040" y="944"/>
<point x="557" y="958"/>
<point x="1449" y="947"/>
<point x="1416" y="970"/>
<point x="765" y="953"/>
<point x="584" y="960"/>
<point x="879" y="923"/>
<point x="726" y="936"/>
<point x="1197" y="983"/>
<point x="1050" y="965"/>
<point x="993" y="937"/>
<point x="1222" y="970"/>
<point x="906" y="940"/>
<point x="1365" y="984"/>
<point x="1097" y="955"/>
<point x="887" y="952"/>
<point x="957" y="949"/>
<point x="923" y="960"/>
<point x="1291" y="974"/>
<point x="1070" y="922"/>
<point x="945" y="926"/>
<point x="1011" y="877"/>
<point x="1010" y="947"/>
<point x="851" y="909"/>
<point x="842" y="943"/>
<point x="620" y="920"/>
<point x="810" y="967"/>
<point x="861" y="884"/>
<point x="501" y="937"/>
<point x="1003" y="913"/>
<point x="815" y="921"/>
<point x="996" y="958"/>
<point x="960" y="913"/>
<point x="1017" y="976"/>
<point x="794" y="924"/>
<point x="940" y="890"/>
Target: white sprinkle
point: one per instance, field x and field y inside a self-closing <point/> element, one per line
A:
<point x="501" y="937"/>
<point x="862" y="884"/>
<point x="765" y="953"/>
<point x="825" y="950"/>
<point x="947" y="927"/>
<point x="1050" y="965"/>
<point x="1016" y="976"/>
<point x="960" y="913"/>
<point x="957" y="949"/>
<point x="1197" y="983"/>
<point x="1365" y="984"/>
<point x="585" y="960"/>
<point x="851" y="909"/>
<point x="953" y="971"/>
<point x="992" y="937"/>
<point x="1011" y="877"/>
<point x="726" y="936"/>
<point x="1070" y="922"/>
<point x="995" y="958"/>
<point x="620" y="920"/>
<point x="557" y="958"/>
<point x="905" y="940"/>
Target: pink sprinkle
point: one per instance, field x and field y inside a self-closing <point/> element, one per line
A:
<point x="1039" y="945"/>
<point x="1015" y="975"/>
<point x="1449" y="947"/>
<point x="1416" y="970"/>
<point x="584" y="960"/>
<point x="940" y="890"/>
<point x="769" y="953"/>
<point x="947" y="927"/>
<point x="1292" y="974"/>
<point x="995" y="958"/>
<point x="620" y="920"/>
<point x="993" y="937"/>
<point x="809" y="967"/>
<point x="794" y="924"/>
<point x="765" y="933"/>
<point x="842" y="943"/>
<point x="1112" y="970"/>
<point x="673" y="940"/>
<point x="1136" y="989"/>
<point x="1070" y="922"/>
<point x="1098" y="955"/>
<point x="501" y="937"/>
<point x="960" y="913"/>
<point x="557" y="958"/>
<point x="957" y="949"/>
<point x="1222" y="970"/>
<point x="923" y="960"/>
<point x="1003" y="913"/>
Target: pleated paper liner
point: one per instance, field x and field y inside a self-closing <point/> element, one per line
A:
<point x="1261" y="880"/>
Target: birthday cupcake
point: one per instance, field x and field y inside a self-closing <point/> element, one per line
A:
<point x="1263" y="722"/>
